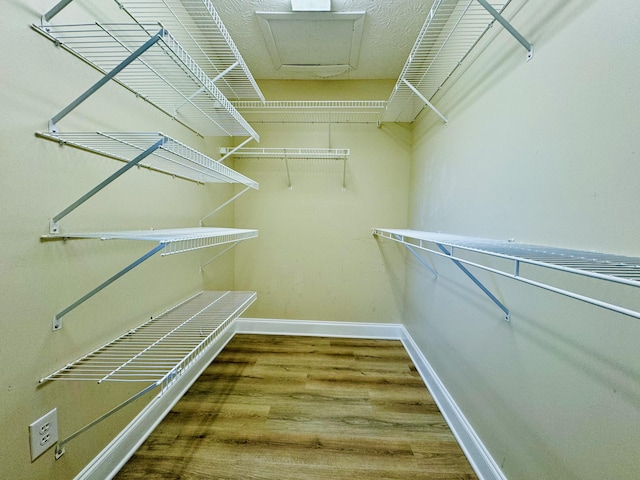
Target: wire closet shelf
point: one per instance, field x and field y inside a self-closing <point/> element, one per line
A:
<point x="623" y="270"/>
<point x="199" y="29"/>
<point x="171" y="157"/>
<point x="160" y="350"/>
<point x="312" y="111"/>
<point x="452" y="29"/>
<point x="303" y="153"/>
<point x="151" y="63"/>
<point x="170" y="241"/>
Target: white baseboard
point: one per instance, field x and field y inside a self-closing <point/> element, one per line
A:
<point x="318" y="328"/>
<point x="108" y="462"/>
<point x="479" y="457"/>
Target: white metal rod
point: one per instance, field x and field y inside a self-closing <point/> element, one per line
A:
<point x="223" y="205"/>
<point x="218" y="255"/>
<point x="286" y="163"/>
<point x="427" y="102"/>
<point x="235" y="149"/>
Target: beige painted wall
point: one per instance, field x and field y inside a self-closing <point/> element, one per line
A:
<point x="38" y="279"/>
<point x="316" y="258"/>
<point x="544" y="152"/>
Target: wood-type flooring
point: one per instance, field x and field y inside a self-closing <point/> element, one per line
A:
<point x="283" y="407"/>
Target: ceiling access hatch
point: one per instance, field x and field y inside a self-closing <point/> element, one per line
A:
<point x="322" y="43"/>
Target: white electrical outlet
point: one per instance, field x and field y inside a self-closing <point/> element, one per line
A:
<point x="43" y="433"/>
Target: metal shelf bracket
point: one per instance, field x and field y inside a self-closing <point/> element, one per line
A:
<point x="426" y="102"/>
<point x="53" y="123"/>
<point x="53" y="224"/>
<point x="57" y="319"/>
<point x="478" y="283"/>
<point x="508" y="27"/>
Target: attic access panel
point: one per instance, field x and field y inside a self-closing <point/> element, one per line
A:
<point x="324" y="43"/>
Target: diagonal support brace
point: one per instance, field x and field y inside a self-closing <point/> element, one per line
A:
<point x="57" y="320"/>
<point x="508" y="27"/>
<point x="425" y="100"/>
<point x="55" y="10"/>
<point x="106" y="78"/>
<point x="418" y="257"/>
<point x="53" y="225"/>
<point x="477" y="282"/>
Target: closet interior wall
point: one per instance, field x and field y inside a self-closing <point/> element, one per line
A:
<point x="40" y="278"/>
<point x="543" y="152"/>
<point x="315" y="258"/>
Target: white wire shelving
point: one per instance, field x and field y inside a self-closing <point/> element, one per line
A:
<point x="312" y="111"/>
<point x="159" y="351"/>
<point x="152" y="150"/>
<point x="286" y="154"/>
<point x="199" y="29"/>
<point x="171" y="156"/>
<point x="149" y="61"/>
<point x="308" y="153"/>
<point x="622" y="270"/>
<point x="452" y="29"/>
<point x="169" y="242"/>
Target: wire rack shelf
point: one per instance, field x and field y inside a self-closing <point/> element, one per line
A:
<point x="452" y="29"/>
<point x="149" y="61"/>
<point x="171" y="157"/>
<point x="199" y="29"/>
<point x="305" y="153"/>
<point x="169" y="350"/>
<point x="312" y="111"/>
<point x="171" y="241"/>
<point x="618" y="269"/>
<point x="161" y="349"/>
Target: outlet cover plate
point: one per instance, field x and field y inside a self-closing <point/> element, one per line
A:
<point x="43" y="433"/>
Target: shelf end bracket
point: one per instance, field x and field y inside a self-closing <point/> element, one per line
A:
<point x="425" y="100"/>
<point x="508" y="27"/>
<point x="57" y="320"/>
<point x="486" y="291"/>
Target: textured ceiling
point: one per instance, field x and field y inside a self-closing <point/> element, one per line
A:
<point x="390" y="30"/>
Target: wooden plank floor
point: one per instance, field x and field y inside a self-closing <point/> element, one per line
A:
<point x="279" y="407"/>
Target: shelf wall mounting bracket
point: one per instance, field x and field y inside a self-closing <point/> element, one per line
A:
<point x="53" y="223"/>
<point x="60" y="445"/>
<point x="202" y="89"/>
<point x="418" y="257"/>
<point x="217" y="256"/>
<point x="234" y="149"/>
<point x="46" y="18"/>
<point x="57" y="319"/>
<point x="508" y="27"/>
<point x="493" y="298"/>
<point x="223" y="205"/>
<point x="426" y="102"/>
<point x="105" y="79"/>
<point x="286" y="164"/>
